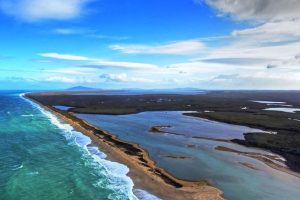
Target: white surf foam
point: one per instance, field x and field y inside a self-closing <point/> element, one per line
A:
<point x="27" y="115"/>
<point x="115" y="172"/>
<point x="33" y="173"/>
<point x="144" y="195"/>
<point x="17" y="167"/>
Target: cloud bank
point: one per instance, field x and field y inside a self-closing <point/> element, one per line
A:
<point x="64" y="56"/>
<point x="175" y="48"/>
<point x="258" y="9"/>
<point x="123" y="77"/>
<point x="35" y="10"/>
<point x="272" y="40"/>
<point x="99" y="63"/>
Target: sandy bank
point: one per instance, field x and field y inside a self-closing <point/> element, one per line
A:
<point x="143" y="170"/>
<point x="270" y="160"/>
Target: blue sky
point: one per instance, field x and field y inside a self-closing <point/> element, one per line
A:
<point x="207" y="44"/>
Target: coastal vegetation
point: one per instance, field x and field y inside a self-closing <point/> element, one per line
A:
<point x="282" y="134"/>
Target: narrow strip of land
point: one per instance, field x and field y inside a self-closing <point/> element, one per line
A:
<point x="143" y="169"/>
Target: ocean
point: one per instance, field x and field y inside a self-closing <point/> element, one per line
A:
<point x="44" y="158"/>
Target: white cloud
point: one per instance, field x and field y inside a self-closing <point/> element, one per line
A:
<point x="175" y="48"/>
<point x="193" y="68"/>
<point x="265" y="55"/>
<point x="123" y="77"/>
<point x="114" y="77"/>
<point x="65" y="56"/>
<point x="225" y="77"/>
<point x="67" y="31"/>
<point x="35" y="10"/>
<point x="258" y="9"/>
<point x="70" y="79"/>
<point x="61" y="79"/>
<point x="257" y="80"/>
<point x="100" y="63"/>
<point x="88" y="33"/>
<point x="276" y="20"/>
<point x="250" y="53"/>
<point x="248" y="50"/>
<point x="272" y="31"/>
<point x="122" y="65"/>
<point x="273" y="40"/>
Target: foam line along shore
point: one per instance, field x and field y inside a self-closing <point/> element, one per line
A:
<point x="143" y="171"/>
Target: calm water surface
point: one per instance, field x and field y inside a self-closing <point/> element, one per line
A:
<point x="223" y="169"/>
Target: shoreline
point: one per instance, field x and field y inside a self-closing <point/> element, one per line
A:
<point x="143" y="170"/>
<point x="265" y="158"/>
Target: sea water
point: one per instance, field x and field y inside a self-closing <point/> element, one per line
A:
<point x="44" y="158"/>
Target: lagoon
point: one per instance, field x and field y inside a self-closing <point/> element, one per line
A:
<point x="194" y="159"/>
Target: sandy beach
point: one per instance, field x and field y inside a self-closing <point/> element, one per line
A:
<point x="143" y="171"/>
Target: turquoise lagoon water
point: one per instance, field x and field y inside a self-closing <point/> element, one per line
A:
<point x="43" y="158"/>
<point x="223" y="169"/>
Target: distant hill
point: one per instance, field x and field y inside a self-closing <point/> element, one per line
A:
<point x="77" y="88"/>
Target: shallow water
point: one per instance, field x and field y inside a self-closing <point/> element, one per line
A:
<point x="43" y="158"/>
<point x="288" y="110"/>
<point x="269" y="102"/>
<point x="64" y="108"/>
<point x="223" y="169"/>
